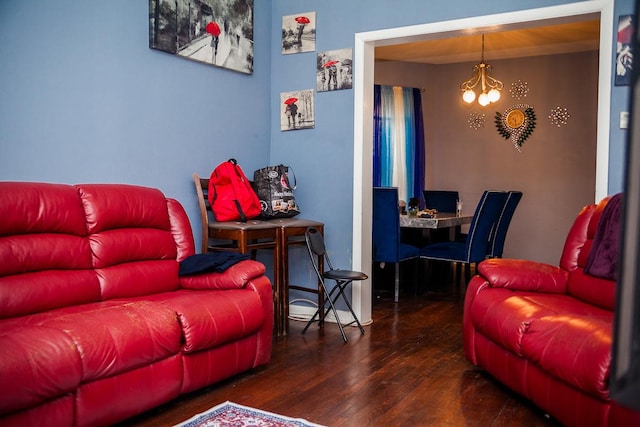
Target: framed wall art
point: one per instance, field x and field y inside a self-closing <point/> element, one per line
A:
<point x="624" y="55"/>
<point x="334" y="70"/>
<point x="299" y="33"/>
<point x="297" y="110"/>
<point x="214" y="32"/>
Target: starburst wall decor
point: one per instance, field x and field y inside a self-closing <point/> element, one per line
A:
<point x="476" y="121"/>
<point x="516" y="123"/>
<point x="519" y="89"/>
<point x="559" y="116"/>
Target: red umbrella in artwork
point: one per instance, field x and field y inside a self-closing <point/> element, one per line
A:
<point x="329" y="64"/>
<point x="291" y="100"/>
<point x="213" y="29"/>
<point x="302" y="20"/>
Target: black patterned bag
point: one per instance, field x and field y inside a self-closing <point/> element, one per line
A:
<point x="275" y="191"/>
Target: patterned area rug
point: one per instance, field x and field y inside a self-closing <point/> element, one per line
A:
<point x="231" y="414"/>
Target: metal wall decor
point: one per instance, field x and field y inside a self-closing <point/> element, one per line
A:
<point x="559" y="116"/>
<point x="476" y="120"/>
<point x="519" y="89"/>
<point x="516" y="123"/>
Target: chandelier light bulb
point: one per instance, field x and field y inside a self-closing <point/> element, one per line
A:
<point x="494" y="95"/>
<point x="469" y="96"/>
<point x="481" y="80"/>
<point x="484" y="100"/>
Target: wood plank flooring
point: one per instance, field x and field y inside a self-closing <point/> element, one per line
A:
<point x="407" y="370"/>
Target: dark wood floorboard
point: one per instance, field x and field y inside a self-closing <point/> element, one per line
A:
<point x="407" y="370"/>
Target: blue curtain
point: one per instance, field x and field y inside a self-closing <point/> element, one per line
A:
<point x="398" y="146"/>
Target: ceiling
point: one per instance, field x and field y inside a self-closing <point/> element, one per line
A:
<point x="542" y="40"/>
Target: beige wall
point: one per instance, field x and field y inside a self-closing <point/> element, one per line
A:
<point x="556" y="168"/>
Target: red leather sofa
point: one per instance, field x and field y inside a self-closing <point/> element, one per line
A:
<point x="546" y="331"/>
<point x="96" y="325"/>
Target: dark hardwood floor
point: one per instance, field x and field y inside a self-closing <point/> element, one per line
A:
<point x="407" y="370"/>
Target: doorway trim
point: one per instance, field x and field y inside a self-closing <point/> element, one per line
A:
<point x="364" y="56"/>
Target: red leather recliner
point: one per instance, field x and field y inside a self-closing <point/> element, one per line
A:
<point x="95" y="324"/>
<point x="546" y="331"/>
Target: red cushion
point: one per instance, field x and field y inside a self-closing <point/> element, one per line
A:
<point x="234" y="277"/>
<point x="117" y="337"/>
<point x="38" y="364"/>
<point x="33" y="207"/>
<point x="109" y="206"/>
<point x="209" y="319"/>
<point x="523" y="275"/>
<point x="573" y="344"/>
<point x="30" y="293"/>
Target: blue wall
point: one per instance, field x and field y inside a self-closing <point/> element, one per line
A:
<point x="84" y="99"/>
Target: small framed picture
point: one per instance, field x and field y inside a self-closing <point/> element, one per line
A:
<point x="624" y="54"/>
<point x="334" y="70"/>
<point x="297" y="110"/>
<point x="299" y="33"/>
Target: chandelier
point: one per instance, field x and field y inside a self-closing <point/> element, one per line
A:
<point x="481" y="76"/>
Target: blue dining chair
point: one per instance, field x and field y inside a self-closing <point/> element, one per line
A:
<point x="387" y="245"/>
<point x="499" y="232"/>
<point x="474" y="248"/>
<point x="442" y="201"/>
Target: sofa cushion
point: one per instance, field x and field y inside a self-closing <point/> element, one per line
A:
<point x="29" y="293"/>
<point x="113" y="206"/>
<point x="33" y="207"/>
<point x="138" y="278"/>
<point x="38" y="364"/>
<point x="234" y="277"/>
<point x="209" y="319"/>
<point x="573" y="345"/>
<point x="44" y="250"/>
<point x="591" y="289"/>
<point x="131" y="239"/>
<point x="115" y="337"/>
<point x="504" y="316"/>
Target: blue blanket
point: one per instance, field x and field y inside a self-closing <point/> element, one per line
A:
<point x="211" y="261"/>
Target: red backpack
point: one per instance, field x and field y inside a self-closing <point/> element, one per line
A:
<point x="230" y="194"/>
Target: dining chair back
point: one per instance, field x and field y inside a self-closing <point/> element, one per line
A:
<point x="441" y="200"/>
<point x="319" y="257"/>
<point x="474" y="248"/>
<point x="499" y="232"/>
<point x="387" y="244"/>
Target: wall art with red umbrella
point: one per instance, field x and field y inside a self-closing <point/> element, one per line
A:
<point x="299" y="33"/>
<point x="297" y="110"/>
<point x="624" y="54"/>
<point x="334" y="70"/>
<point x="214" y="32"/>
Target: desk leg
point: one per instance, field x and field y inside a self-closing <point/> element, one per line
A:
<point x="277" y="287"/>
<point x="283" y="241"/>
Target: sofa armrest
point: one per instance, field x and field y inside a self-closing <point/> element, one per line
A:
<point x="234" y="277"/>
<point x="524" y="275"/>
